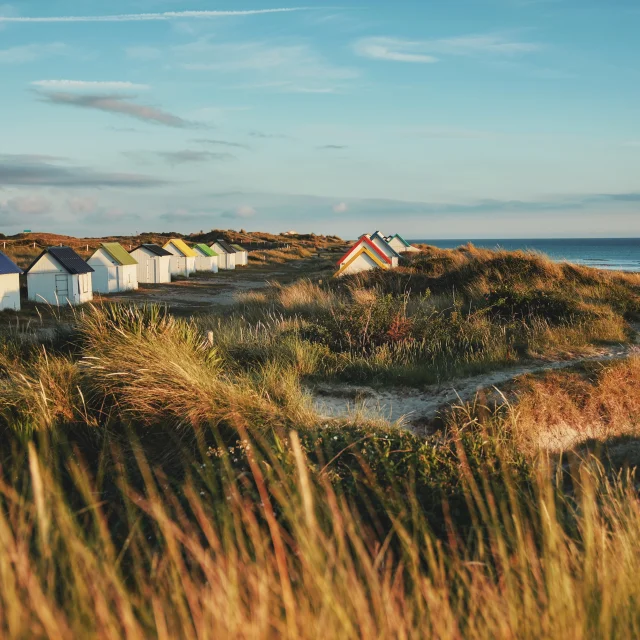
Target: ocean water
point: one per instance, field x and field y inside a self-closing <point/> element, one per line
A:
<point x="620" y="254"/>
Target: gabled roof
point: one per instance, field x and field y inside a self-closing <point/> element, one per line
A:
<point x="118" y="253"/>
<point x="207" y="251"/>
<point x="404" y="242"/>
<point x="364" y="240"/>
<point x="67" y="258"/>
<point x="226" y="246"/>
<point x="364" y="250"/>
<point x="155" y="249"/>
<point x="238" y="247"/>
<point x="378" y="236"/>
<point x="7" y="266"/>
<point x="182" y="247"/>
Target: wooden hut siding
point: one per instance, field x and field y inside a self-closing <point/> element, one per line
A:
<point x="206" y="259"/>
<point x="50" y="282"/>
<point x="400" y="245"/>
<point x="242" y="255"/>
<point x="10" y="291"/>
<point x="226" y="259"/>
<point x="9" y="284"/>
<point x="154" y="264"/>
<point x="110" y="274"/>
<point x="384" y="246"/>
<point x="364" y="259"/>
<point x="183" y="260"/>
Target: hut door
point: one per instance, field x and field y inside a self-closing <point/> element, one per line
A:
<point x="62" y="287"/>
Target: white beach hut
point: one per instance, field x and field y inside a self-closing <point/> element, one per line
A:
<point x="59" y="276"/>
<point x="207" y="258"/>
<point x="242" y="255"/>
<point x="400" y="245"/>
<point x="9" y="284"/>
<point x="154" y="264"/>
<point x="380" y="241"/>
<point x="114" y="269"/>
<point x="226" y="254"/>
<point x="362" y="256"/>
<point x="183" y="261"/>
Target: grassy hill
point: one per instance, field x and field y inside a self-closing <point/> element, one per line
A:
<point x="172" y="477"/>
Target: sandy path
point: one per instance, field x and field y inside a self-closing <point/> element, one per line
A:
<point x="415" y="407"/>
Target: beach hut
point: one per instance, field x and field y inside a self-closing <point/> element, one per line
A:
<point x="400" y="245"/>
<point x="242" y="255"/>
<point x="9" y="284"/>
<point x="207" y="258"/>
<point x="114" y="269"/>
<point x="226" y="254"/>
<point x="364" y="255"/>
<point x="59" y="276"/>
<point x="154" y="264"/>
<point x="380" y="241"/>
<point x="183" y="261"/>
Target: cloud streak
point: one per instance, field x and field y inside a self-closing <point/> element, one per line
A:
<point x="430" y="51"/>
<point x="150" y="17"/>
<point x="85" y="85"/>
<point x="116" y="104"/>
<point x="20" y="170"/>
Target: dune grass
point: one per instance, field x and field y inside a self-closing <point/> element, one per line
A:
<point x="169" y="477"/>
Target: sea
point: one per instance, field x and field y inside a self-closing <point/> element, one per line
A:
<point x="618" y="254"/>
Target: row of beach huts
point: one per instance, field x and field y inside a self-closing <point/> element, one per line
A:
<point x="60" y="276"/>
<point x="374" y="251"/>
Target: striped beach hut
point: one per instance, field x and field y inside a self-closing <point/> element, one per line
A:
<point x="226" y="254"/>
<point x="400" y="245"/>
<point x="183" y="261"/>
<point x="9" y="284"/>
<point x="364" y="255"/>
<point x="242" y="255"/>
<point x="207" y="258"/>
<point x="114" y="269"/>
<point x="59" y="276"/>
<point x="380" y="241"/>
<point x="154" y="264"/>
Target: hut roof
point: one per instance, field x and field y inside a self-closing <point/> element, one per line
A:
<point x="364" y="250"/>
<point x="238" y="247"/>
<point x="404" y="242"/>
<point x="67" y="258"/>
<point x="118" y="253"/>
<point x="207" y="251"/>
<point x="7" y="266"/>
<point x="155" y="249"/>
<point x="379" y="236"/>
<point x="226" y="246"/>
<point x="182" y="247"/>
<point x="364" y="240"/>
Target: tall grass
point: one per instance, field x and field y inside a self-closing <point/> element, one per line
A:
<point x="202" y="560"/>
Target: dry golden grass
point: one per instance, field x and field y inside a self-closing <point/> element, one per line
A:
<point x="561" y="410"/>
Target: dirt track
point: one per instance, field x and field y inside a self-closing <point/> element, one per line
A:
<point x="416" y="407"/>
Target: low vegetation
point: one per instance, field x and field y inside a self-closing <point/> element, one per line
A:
<point x="170" y="477"/>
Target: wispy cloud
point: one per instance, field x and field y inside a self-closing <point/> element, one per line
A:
<point x="286" y="68"/>
<point x="32" y="205"/>
<point x="430" y="51"/>
<point x="221" y="143"/>
<point x="192" y="156"/>
<point x="332" y="147"/>
<point x="94" y="85"/>
<point x="150" y="17"/>
<point x="116" y="104"/>
<point x="30" y="52"/>
<point x="26" y="170"/>
<point x="341" y="207"/>
<point x="243" y="212"/>
<point x="262" y="135"/>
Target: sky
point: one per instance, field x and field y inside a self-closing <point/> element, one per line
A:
<point x="447" y="119"/>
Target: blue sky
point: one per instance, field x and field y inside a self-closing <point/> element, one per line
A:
<point x="464" y="118"/>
